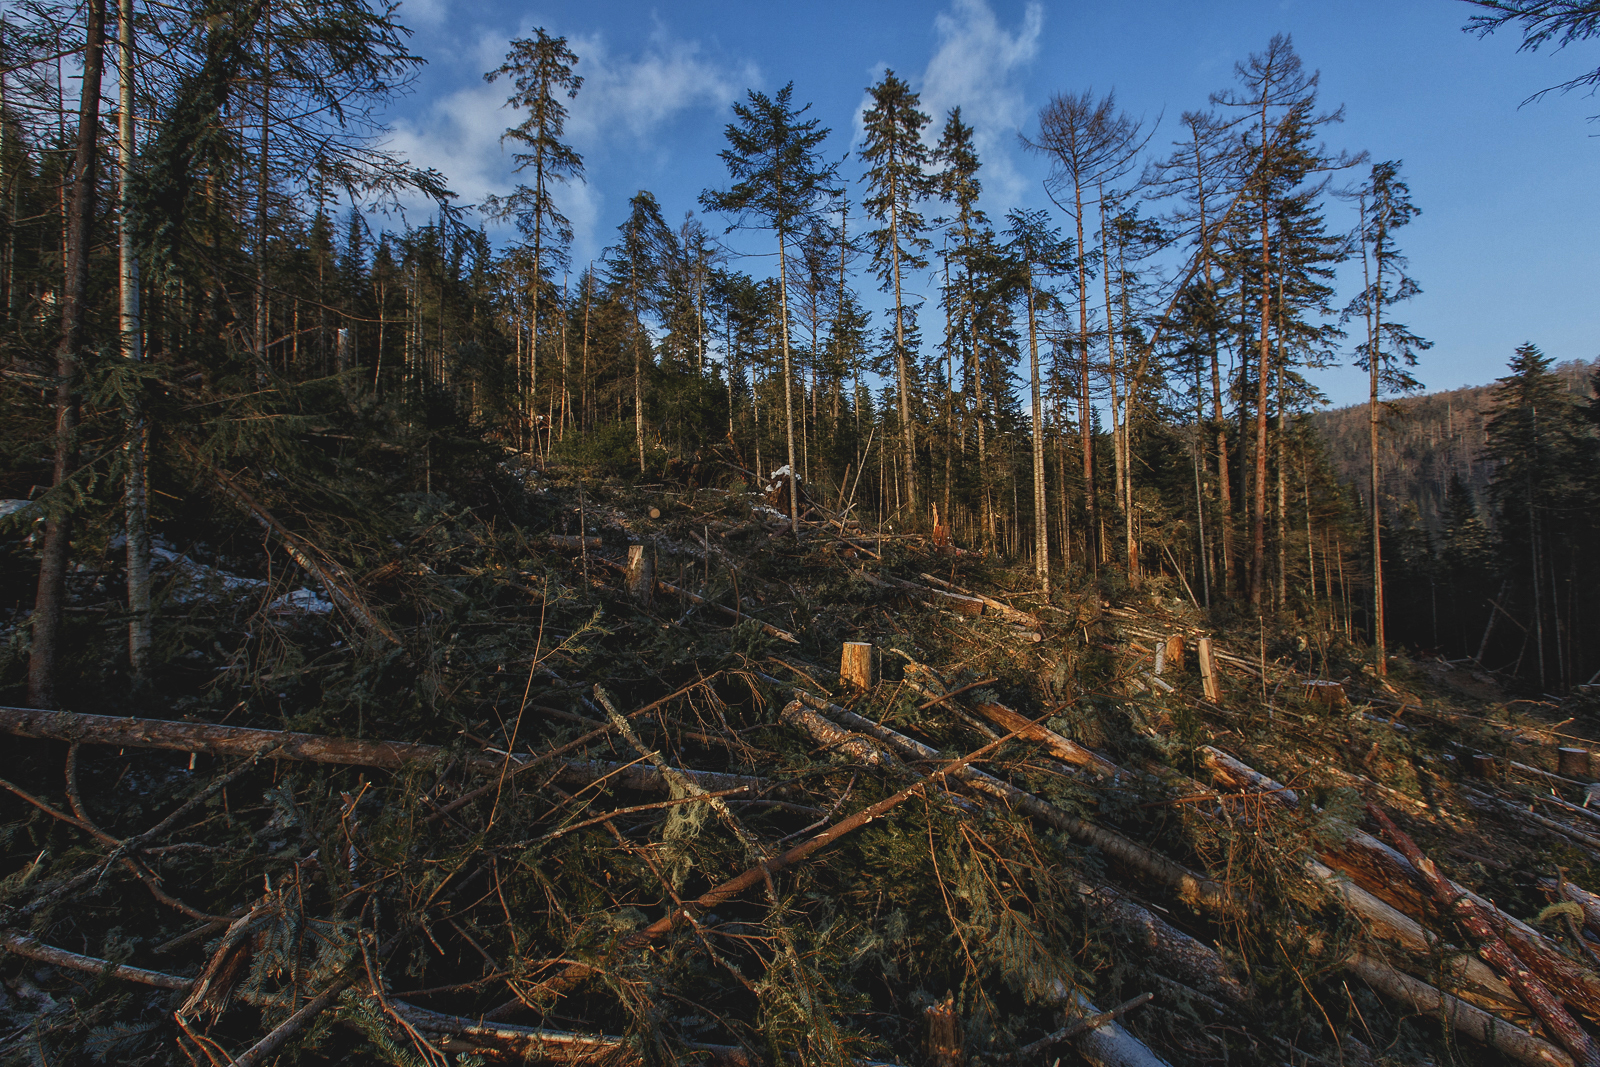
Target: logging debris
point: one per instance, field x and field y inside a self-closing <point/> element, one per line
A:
<point x="584" y="771"/>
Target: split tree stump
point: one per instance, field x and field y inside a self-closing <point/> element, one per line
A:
<point x="1208" y="669"/>
<point x="944" y="1034"/>
<point x="855" y="664"/>
<point x="641" y="574"/>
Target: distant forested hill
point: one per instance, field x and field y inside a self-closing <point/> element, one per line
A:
<point x="1425" y="440"/>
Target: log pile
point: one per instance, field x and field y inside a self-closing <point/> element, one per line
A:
<point x="698" y="788"/>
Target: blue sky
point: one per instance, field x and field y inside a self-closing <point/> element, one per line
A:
<point x="1507" y="248"/>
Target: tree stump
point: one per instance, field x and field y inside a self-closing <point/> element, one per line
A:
<point x="1208" y="669"/>
<point x="1572" y="762"/>
<point x="1484" y="766"/>
<point x="641" y="574"/>
<point x="944" y="1033"/>
<point x="855" y="664"/>
<point x="655" y="513"/>
<point x="1329" y="693"/>
<point x="1174" y="652"/>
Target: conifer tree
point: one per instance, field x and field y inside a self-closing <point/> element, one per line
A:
<point x="1390" y="348"/>
<point x="778" y="178"/>
<point x="1088" y="142"/>
<point x="897" y="181"/>
<point x="1545" y="454"/>
<point x="541" y="70"/>
<point x="960" y="188"/>
<point x="1037" y="249"/>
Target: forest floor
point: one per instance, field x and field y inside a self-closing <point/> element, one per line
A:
<point x="572" y="774"/>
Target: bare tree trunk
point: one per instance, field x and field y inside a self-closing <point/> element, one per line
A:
<point x="1041" y="527"/>
<point x="1258" y="502"/>
<point x="136" y="503"/>
<point x="907" y="433"/>
<point x="51" y="594"/>
<point x="788" y="388"/>
<point x="1374" y="343"/>
<point x="1085" y="416"/>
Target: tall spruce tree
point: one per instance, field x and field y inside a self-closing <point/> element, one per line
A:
<point x="541" y="70"/>
<point x="1037" y="249"/>
<point x="1545" y="453"/>
<point x="1390" y="348"/>
<point x="778" y="178"/>
<point x="897" y="181"/>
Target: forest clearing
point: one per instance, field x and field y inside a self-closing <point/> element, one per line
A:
<point x="422" y="645"/>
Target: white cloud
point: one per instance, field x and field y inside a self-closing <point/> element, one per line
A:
<point x="976" y="68"/>
<point x="417" y="13"/>
<point x="624" y="104"/>
<point x="638" y="94"/>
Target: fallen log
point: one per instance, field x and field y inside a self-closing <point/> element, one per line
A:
<point x="1241" y="776"/>
<point x="1385" y="923"/>
<point x="1194" y="962"/>
<point x="1391" y="877"/>
<point x="1117" y="1047"/>
<point x="215" y="740"/>
<point x="737" y="616"/>
<point x="1061" y="747"/>
<point x="1493" y="950"/>
<point x="1458" y="1015"/>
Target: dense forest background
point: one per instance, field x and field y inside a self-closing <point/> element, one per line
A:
<point x="215" y="320"/>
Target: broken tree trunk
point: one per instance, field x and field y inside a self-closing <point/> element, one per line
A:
<point x="641" y="574"/>
<point x="855" y="664"/>
<point x="1208" y="669"/>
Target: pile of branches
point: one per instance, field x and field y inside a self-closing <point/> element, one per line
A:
<point x="589" y="785"/>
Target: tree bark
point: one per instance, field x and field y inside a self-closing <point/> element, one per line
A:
<point x="49" y="599"/>
<point x="136" y="501"/>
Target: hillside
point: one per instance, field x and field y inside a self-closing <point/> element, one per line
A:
<point x="1426" y="439"/>
<point x="558" y="811"/>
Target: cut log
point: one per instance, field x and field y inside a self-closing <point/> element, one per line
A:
<point x="855" y="664"/>
<point x="1230" y="771"/>
<point x="1386" y="923"/>
<point x="1061" y="747"/>
<point x="1181" y="956"/>
<point x="1208" y="669"/>
<point x="1589" y="902"/>
<point x="1460" y="1016"/>
<point x="999" y="607"/>
<point x="961" y="605"/>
